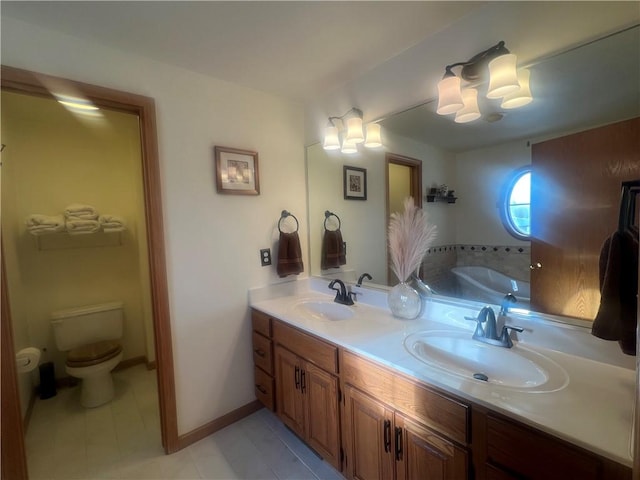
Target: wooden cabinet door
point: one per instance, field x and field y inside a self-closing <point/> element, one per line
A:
<point x="368" y="435"/>
<point x="289" y="397"/>
<point x="322" y="421"/>
<point x="421" y="454"/>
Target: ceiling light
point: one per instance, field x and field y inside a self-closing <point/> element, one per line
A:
<point x="354" y="130"/>
<point x="374" y="140"/>
<point x="522" y="96"/>
<point x="499" y="66"/>
<point x="352" y="120"/>
<point x="349" y="147"/>
<point x="331" y="138"/>
<point x="470" y="111"/>
<point x="449" y="96"/>
<point x="503" y="78"/>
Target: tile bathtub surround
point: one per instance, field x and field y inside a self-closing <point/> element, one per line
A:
<point x="121" y="440"/>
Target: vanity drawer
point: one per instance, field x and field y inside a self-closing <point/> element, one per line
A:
<point x="534" y="455"/>
<point x="261" y="322"/>
<point x="264" y="388"/>
<point x="263" y="353"/>
<point x="432" y="408"/>
<point x="312" y="349"/>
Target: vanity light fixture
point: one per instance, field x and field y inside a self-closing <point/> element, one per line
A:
<point x="353" y="135"/>
<point x="504" y="82"/>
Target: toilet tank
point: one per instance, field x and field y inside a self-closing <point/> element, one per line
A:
<point x="74" y="327"/>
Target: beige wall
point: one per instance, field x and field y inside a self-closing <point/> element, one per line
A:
<point x="212" y="240"/>
<point x="53" y="159"/>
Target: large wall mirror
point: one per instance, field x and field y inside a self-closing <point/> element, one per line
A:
<point x="586" y="88"/>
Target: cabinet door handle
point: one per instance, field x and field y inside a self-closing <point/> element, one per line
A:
<point x="297" y="377"/>
<point x="261" y="388"/>
<point x="398" y="443"/>
<point x="303" y="380"/>
<point x="387" y="436"/>
<point x="260" y="352"/>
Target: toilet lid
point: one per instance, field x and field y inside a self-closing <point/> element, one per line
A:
<point x="93" y="353"/>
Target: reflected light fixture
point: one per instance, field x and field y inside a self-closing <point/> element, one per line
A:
<point x="504" y="82"/>
<point x="522" y="96"/>
<point x="353" y="135"/>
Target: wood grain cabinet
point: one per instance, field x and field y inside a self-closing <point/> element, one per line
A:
<point x="384" y="444"/>
<point x="307" y="390"/>
<point x="263" y="369"/>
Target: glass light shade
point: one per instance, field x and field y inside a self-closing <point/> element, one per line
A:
<point x="373" y="136"/>
<point x="449" y="96"/>
<point x="503" y="78"/>
<point x="349" y="147"/>
<point x="522" y="96"/>
<point x="331" y="139"/>
<point x="470" y="111"/>
<point x="354" y="130"/>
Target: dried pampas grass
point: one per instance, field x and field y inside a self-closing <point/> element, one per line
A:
<point x="410" y="235"/>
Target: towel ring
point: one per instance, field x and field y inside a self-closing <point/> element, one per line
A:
<point x="284" y="215"/>
<point x="328" y="214"/>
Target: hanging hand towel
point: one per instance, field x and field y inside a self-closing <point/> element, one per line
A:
<point x="616" y="317"/>
<point x="112" y="223"/>
<point x="289" y="255"/>
<point x="42" y="224"/>
<point x="333" y="253"/>
<point x="79" y="226"/>
<point x="80" y="211"/>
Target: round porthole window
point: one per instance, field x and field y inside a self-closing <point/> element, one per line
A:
<point x="515" y="205"/>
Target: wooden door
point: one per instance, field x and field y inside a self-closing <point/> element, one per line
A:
<point x="575" y="195"/>
<point x="369" y="431"/>
<point x="322" y="421"/>
<point x="421" y="454"/>
<point x="289" y="399"/>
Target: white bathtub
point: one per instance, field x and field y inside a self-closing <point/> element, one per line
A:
<point x="486" y="285"/>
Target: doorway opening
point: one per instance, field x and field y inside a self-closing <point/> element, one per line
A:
<point x="143" y="108"/>
<point x="403" y="179"/>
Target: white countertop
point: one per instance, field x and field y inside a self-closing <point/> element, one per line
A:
<point x="594" y="410"/>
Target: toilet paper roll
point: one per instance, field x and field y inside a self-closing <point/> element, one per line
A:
<point x="27" y="359"/>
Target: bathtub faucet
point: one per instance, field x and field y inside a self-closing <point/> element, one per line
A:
<point x="504" y="308"/>
<point x="489" y="334"/>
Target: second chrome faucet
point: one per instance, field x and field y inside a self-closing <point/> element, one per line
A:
<point x="489" y="334"/>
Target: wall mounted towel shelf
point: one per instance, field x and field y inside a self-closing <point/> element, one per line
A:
<point x="434" y="195"/>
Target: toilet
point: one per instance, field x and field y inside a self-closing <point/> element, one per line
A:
<point x="90" y="335"/>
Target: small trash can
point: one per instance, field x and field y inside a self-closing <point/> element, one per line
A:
<point x="47" y="380"/>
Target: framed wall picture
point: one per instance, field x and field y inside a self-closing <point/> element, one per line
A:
<point x="237" y="171"/>
<point x="355" y="183"/>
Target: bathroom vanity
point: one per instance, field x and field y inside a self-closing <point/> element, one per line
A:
<point x="353" y="384"/>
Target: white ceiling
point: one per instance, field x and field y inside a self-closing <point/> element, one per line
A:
<point x="296" y="50"/>
<point x="381" y="56"/>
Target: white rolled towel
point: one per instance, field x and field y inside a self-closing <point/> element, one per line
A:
<point x="112" y="223"/>
<point x="81" y="211"/>
<point x="38" y="224"/>
<point x="78" y="226"/>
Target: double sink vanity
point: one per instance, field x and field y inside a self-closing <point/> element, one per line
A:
<point x="383" y="398"/>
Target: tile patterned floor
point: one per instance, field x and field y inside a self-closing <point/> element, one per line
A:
<point x="121" y="440"/>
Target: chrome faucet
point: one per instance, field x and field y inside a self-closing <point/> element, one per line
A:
<point x="342" y="296"/>
<point x="489" y="334"/>
<point x="362" y="277"/>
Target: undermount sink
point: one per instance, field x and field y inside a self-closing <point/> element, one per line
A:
<point x="516" y="368"/>
<point x="323" y="310"/>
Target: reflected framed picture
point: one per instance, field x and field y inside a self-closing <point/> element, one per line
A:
<point x="355" y="183"/>
<point x="236" y="171"/>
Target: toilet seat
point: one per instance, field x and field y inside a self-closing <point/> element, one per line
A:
<point x="93" y="354"/>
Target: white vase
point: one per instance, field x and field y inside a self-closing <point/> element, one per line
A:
<point x="404" y="301"/>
